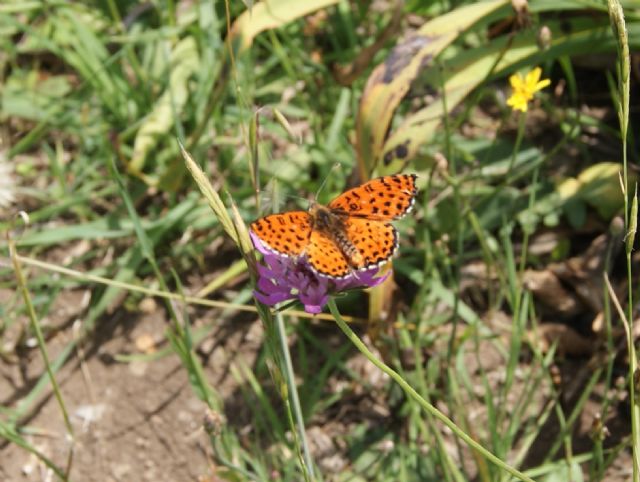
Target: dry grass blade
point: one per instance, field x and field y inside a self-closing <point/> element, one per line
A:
<point x="195" y="300"/>
<point x="215" y="202"/>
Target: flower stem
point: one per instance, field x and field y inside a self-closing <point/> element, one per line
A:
<point x="430" y="409"/>
<point x="293" y="396"/>
<point x="522" y="123"/>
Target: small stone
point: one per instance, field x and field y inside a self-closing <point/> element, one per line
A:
<point x="145" y="343"/>
<point x="138" y="368"/>
<point x="148" y="305"/>
<point x="120" y="471"/>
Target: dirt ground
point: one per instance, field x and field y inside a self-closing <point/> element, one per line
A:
<point x="140" y="420"/>
<point x="132" y="421"/>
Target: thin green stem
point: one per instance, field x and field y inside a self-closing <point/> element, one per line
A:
<point x="10" y="436"/>
<point x="528" y="231"/>
<point x="293" y="396"/>
<point x="35" y="326"/>
<point x="522" y="122"/>
<point x="616" y="14"/>
<point x="426" y="406"/>
<point x="633" y="360"/>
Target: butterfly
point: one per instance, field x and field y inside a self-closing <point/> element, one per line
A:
<point x="352" y="233"/>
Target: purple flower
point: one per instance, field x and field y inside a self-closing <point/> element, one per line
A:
<point x="283" y="278"/>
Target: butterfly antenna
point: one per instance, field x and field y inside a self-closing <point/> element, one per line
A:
<point x="334" y="167"/>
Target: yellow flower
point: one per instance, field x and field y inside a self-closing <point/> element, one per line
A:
<point x="525" y="88"/>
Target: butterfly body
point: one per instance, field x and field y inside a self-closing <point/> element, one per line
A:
<point x="333" y="225"/>
<point x="353" y="232"/>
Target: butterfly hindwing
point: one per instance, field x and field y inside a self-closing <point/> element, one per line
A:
<point x="325" y="257"/>
<point x="376" y="241"/>
<point x="384" y="198"/>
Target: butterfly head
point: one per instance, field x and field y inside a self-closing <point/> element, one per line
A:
<point x="324" y="220"/>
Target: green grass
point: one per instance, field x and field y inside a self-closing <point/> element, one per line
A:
<point x="110" y="112"/>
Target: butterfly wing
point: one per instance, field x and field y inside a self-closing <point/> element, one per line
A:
<point x="375" y="241"/>
<point x="285" y="233"/>
<point x="384" y="198"/>
<point x="325" y="257"/>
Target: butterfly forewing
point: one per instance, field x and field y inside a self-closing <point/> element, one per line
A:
<point x="285" y="233"/>
<point x="384" y="198"/>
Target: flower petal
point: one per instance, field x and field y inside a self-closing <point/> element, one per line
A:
<point x="315" y="309"/>
<point x="271" y="299"/>
<point x="314" y="302"/>
<point x="257" y="242"/>
<point x="518" y="101"/>
<point x="268" y="286"/>
<point x="533" y="77"/>
<point x="542" y="84"/>
<point x="516" y="82"/>
<point x="375" y="281"/>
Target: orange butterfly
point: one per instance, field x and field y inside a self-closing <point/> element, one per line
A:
<point x="352" y="233"/>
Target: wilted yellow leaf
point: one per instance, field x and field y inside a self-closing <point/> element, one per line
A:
<point x="391" y="80"/>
